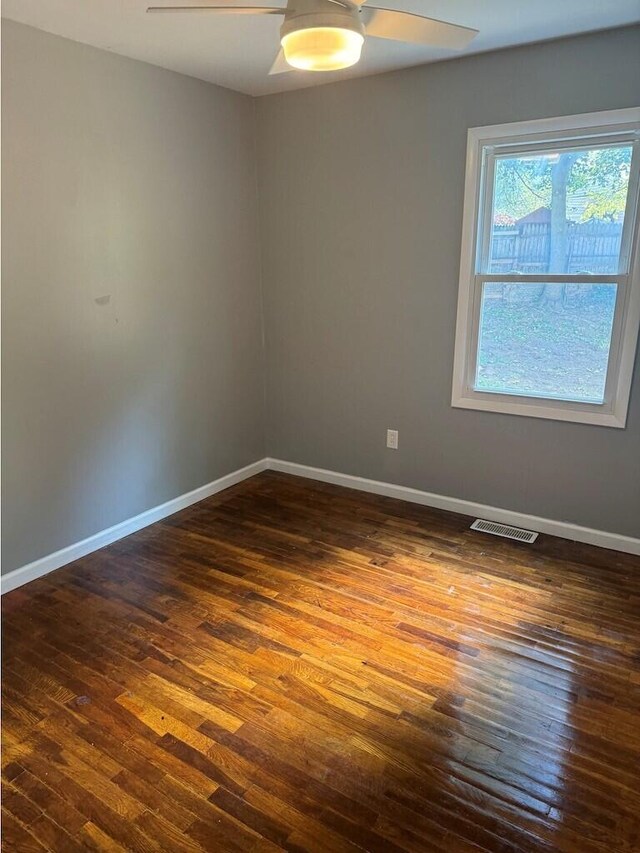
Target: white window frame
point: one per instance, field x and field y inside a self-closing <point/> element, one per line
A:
<point x="482" y="143"/>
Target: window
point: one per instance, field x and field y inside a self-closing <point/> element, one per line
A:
<point x="549" y="299"/>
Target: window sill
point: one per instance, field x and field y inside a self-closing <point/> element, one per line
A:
<point x="581" y="413"/>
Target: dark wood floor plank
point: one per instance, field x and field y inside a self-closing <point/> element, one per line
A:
<point x="16" y="838"/>
<point x="294" y="666"/>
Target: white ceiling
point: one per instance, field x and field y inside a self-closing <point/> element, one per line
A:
<point x="237" y="52"/>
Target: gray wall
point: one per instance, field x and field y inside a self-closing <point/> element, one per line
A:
<point x="131" y="325"/>
<point x="361" y="192"/>
<point x="124" y="181"/>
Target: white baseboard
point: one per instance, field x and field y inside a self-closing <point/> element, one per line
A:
<point x="47" y="564"/>
<point x="564" y="529"/>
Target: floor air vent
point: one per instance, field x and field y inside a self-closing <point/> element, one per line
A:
<point x="504" y="530"/>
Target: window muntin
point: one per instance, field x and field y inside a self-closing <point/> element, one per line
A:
<point x="571" y="254"/>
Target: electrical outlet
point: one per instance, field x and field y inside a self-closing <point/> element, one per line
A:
<point x="392" y="439"/>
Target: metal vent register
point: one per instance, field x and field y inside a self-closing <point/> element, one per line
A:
<point x="505" y="530"/>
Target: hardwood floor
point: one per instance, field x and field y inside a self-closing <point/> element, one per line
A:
<point x="291" y="665"/>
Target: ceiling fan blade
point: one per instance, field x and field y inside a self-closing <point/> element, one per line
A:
<point x="224" y="10"/>
<point x="405" y="26"/>
<point x="280" y="64"/>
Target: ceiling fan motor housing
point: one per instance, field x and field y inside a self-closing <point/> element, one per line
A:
<point x="312" y="14"/>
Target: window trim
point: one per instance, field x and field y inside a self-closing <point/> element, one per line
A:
<point x="626" y="323"/>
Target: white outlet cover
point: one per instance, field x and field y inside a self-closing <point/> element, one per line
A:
<point x="392" y="439"/>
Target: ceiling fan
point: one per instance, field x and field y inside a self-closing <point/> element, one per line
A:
<point x="326" y="35"/>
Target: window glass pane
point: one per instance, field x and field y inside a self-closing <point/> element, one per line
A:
<point x="545" y="340"/>
<point x="559" y="211"/>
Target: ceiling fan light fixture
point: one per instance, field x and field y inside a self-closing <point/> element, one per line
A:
<point x="326" y="35"/>
<point x="322" y="48"/>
